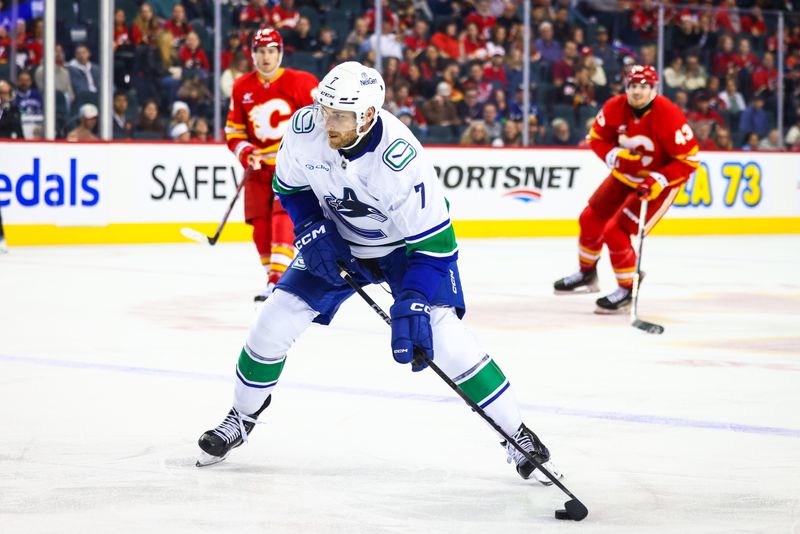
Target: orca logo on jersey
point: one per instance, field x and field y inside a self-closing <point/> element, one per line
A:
<point x="350" y="207"/>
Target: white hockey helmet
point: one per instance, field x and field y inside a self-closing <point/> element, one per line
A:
<point x="351" y="86"/>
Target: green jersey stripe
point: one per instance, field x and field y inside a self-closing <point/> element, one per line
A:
<point x="440" y="244"/>
<point x="284" y="189"/>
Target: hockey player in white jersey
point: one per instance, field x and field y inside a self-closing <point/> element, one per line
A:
<point x="362" y="193"/>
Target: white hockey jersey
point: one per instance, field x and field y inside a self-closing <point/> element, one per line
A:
<point x="384" y="199"/>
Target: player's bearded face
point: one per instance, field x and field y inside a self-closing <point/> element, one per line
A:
<point x="640" y="94"/>
<point x="339" y="125"/>
<point x="267" y="59"/>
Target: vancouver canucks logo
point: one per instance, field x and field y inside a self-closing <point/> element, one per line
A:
<point x="349" y="209"/>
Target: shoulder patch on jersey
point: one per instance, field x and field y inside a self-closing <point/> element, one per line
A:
<point x="399" y="155"/>
<point x="303" y="121"/>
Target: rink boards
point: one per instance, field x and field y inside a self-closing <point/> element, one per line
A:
<point x="63" y="193"/>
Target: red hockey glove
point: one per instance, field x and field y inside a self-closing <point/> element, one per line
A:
<point x="652" y="186"/>
<point x="624" y="160"/>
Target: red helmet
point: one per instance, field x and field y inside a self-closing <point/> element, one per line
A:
<point x="642" y="74"/>
<point x="266" y="37"/>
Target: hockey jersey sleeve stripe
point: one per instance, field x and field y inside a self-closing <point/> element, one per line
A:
<point x="283" y="188"/>
<point x="235" y="125"/>
<point x="240" y="147"/>
<point x="422" y="235"/>
<point x="440" y="245"/>
<point x="229" y="136"/>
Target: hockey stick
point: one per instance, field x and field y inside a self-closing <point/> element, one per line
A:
<point x="575" y="509"/>
<point x="650" y="328"/>
<point x="194" y="235"/>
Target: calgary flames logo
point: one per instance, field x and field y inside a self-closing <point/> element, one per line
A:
<point x="271" y="119"/>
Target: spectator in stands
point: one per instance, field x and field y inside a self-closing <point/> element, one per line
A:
<point x="390" y="45"/>
<point x="233" y="47"/>
<point x="703" y="112"/>
<point x="239" y="66"/>
<point x="562" y="135"/>
<point x="418" y="86"/>
<point x="469" y="109"/>
<point x="145" y="25"/>
<point x="440" y="110"/>
<point x="512" y="134"/>
<point x="727" y="17"/>
<point x="536" y="131"/>
<point x="482" y="18"/>
<point x="254" y="14"/>
<point x="475" y="79"/>
<point x="764" y="79"/>
<point x="33" y="45"/>
<point x="122" y="35"/>
<point x="123" y="128"/>
<point x="510" y="20"/>
<point x="475" y="134"/>
<point x="722" y="138"/>
<point x="388" y="16"/>
<point x="681" y="99"/>
<point x="196" y="93"/>
<point x="515" y="107"/>
<point x="772" y="141"/>
<point x="472" y="46"/>
<point x="500" y="101"/>
<point x="547" y="45"/>
<point x="28" y="99"/>
<point x="696" y="75"/>
<point x="86" y="126"/>
<point x="644" y="22"/>
<point x="149" y="121"/>
<point x="200" y="130"/>
<point x="10" y="116"/>
<point x="285" y="15"/>
<point x="403" y="99"/>
<point x="674" y="74"/>
<point x="745" y="59"/>
<point x="193" y="58"/>
<point x="565" y="67"/>
<point x="446" y="40"/>
<point x="702" y="130"/>
<point x="605" y="53"/>
<point x="84" y="75"/>
<point x="591" y="63"/>
<point x="754" y="23"/>
<point x="755" y="118"/>
<point x="180" y="113"/>
<point x="432" y="63"/>
<point x="300" y="39"/>
<point x="417" y="41"/>
<point x="177" y="25"/>
<point x="63" y="82"/>
<point x="406" y="116"/>
<point x="359" y="34"/>
<point x="750" y="141"/>
<point x="494" y="128"/>
<point x="562" y="29"/>
<point x="180" y="133"/>
<point x="327" y="46"/>
<point x="731" y="99"/>
<point x="708" y="36"/>
<point x="793" y="135"/>
<point x="724" y="59"/>
<point x="686" y="33"/>
<point x="164" y="64"/>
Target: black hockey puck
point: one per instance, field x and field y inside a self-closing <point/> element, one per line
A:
<point x="562" y="514"/>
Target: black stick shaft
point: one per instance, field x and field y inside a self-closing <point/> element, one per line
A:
<point x="472" y="404"/>
<point x="212" y="240"/>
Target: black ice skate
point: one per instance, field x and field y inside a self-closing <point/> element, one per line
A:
<point x="580" y="282"/>
<point x="617" y="302"/>
<point x="215" y="444"/>
<point x="531" y="444"/>
<point x="264" y="295"/>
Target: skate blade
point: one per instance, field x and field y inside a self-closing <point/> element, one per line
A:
<point x="605" y="311"/>
<point x="542" y="479"/>
<point x="205" y="459"/>
<point x="586" y="290"/>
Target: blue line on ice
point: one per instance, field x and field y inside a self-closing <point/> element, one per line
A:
<point x="369" y="392"/>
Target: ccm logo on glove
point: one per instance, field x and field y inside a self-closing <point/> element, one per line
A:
<point x="420" y="307"/>
<point x="308" y="238"/>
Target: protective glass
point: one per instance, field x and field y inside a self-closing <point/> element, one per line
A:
<point x="335" y="120"/>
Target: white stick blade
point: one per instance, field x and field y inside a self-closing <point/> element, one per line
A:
<point x="194" y="235"/>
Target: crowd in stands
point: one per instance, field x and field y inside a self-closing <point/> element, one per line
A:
<point x="453" y="68"/>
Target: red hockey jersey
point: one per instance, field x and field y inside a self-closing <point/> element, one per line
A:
<point x="661" y="135"/>
<point x="260" y="110"/>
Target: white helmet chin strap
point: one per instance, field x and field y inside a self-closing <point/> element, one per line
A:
<point x="360" y="124"/>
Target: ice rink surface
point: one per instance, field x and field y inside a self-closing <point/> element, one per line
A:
<point x="114" y="359"/>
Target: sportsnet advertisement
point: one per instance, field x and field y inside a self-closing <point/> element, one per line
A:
<point x="145" y="192"/>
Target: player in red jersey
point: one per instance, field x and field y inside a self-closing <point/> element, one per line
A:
<point x="262" y="103"/>
<point x="650" y="151"/>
